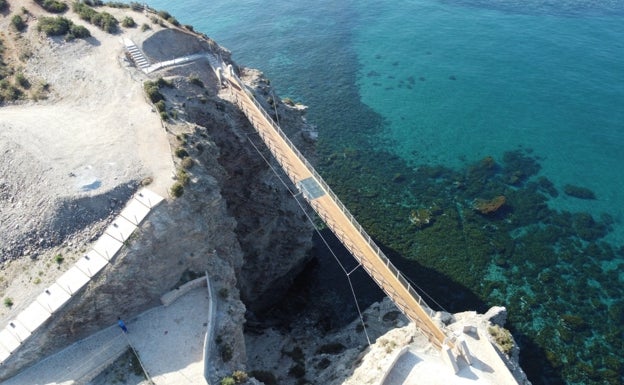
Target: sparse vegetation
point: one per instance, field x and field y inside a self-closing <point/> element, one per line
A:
<point x="18" y="23"/>
<point x="128" y="22"/>
<point x="240" y="376"/>
<point x="187" y="163"/>
<point x="177" y="190"/>
<point x="181" y="152"/>
<point x="160" y="106"/>
<point x="136" y="6"/>
<point x="61" y="26"/>
<point x="183" y="177"/>
<point x="167" y="16"/>
<point x="22" y="81"/>
<point x="53" y="6"/>
<point x="79" y="31"/>
<point x="54" y="26"/>
<point x="103" y="20"/>
<point x="502" y="337"/>
<point x="152" y="89"/>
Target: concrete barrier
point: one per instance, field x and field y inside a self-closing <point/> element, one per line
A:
<point x="392" y="363"/>
<point x="170" y="297"/>
<point x="209" y="330"/>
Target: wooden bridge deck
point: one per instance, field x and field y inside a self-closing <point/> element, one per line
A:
<point x="336" y="216"/>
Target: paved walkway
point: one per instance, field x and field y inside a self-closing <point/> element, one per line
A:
<point x="168" y="339"/>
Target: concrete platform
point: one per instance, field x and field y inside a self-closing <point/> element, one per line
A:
<point x="121" y="229"/>
<point x="53" y="298"/>
<point x="91" y="263"/>
<point x="107" y="246"/>
<point x="73" y="280"/>
<point x="33" y="316"/>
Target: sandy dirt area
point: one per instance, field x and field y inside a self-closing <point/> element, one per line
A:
<point x="70" y="159"/>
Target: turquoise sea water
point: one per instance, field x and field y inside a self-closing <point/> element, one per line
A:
<point x="426" y="106"/>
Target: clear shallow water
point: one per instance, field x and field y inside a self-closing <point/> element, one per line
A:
<point x="545" y="78"/>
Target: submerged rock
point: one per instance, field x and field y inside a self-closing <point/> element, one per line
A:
<point x="489" y="206"/>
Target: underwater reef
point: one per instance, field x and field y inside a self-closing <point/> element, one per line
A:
<point x="489" y="228"/>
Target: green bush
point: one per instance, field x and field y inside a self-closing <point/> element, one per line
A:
<point x="8" y="92"/>
<point x="8" y="302"/>
<point x="177" y="190"/>
<point x="84" y="11"/>
<point x="145" y="27"/>
<point x="160" y="106"/>
<point x="181" y="152"/>
<point x="187" y="163"/>
<point x="164" y="14"/>
<point x="183" y="177"/>
<point x="128" y="22"/>
<point x="79" y="31"/>
<point x="53" y="6"/>
<point x="54" y="26"/>
<point x="153" y="91"/>
<point x="240" y="376"/>
<point x="115" y="4"/>
<point x="22" y="81"/>
<point x="103" y="20"/>
<point x="502" y="337"/>
<point x="136" y="6"/>
<point x="18" y="23"/>
<point x="164" y="83"/>
<point x="58" y="258"/>
<point x="227" y="381"/>
<point x="174" y="21"/>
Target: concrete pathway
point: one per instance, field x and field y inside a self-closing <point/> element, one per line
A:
<point x="169" y="341"/>
<point x="417" y="367"/>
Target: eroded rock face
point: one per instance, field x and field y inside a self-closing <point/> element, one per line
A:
<point x="271" y="227"/>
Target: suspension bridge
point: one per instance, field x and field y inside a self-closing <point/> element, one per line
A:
<point x="338" y="218"/>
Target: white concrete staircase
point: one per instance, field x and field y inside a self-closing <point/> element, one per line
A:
<point x="137" y="55"/>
